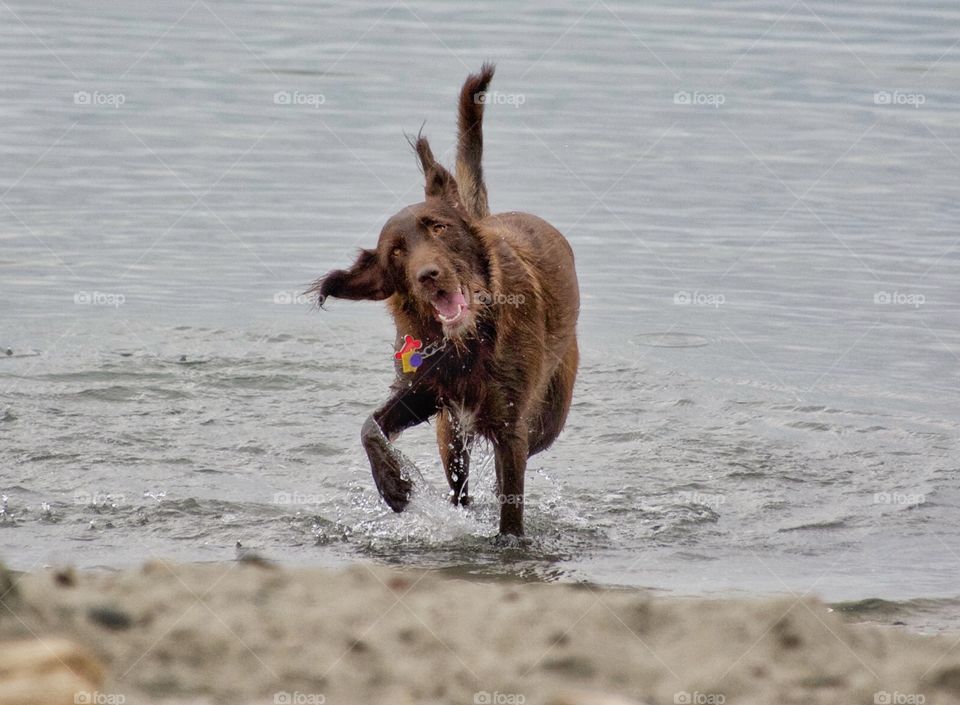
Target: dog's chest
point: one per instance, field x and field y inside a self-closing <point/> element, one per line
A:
<point x="462" y="417"/>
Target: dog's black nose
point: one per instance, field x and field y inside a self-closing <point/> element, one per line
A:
<point x="430" y="272"/>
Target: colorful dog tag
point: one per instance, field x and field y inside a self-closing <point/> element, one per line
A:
<point x="409" y="358"/>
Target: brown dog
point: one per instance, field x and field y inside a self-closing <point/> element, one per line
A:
<point x="493" y="301"/>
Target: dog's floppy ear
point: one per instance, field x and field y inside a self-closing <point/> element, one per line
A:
<point x="439" y="182"/>
<point x="365" y="280"/>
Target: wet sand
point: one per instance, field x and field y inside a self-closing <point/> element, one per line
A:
<point x="251" y="632"/>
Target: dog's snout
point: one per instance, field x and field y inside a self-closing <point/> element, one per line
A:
<point x="430" y="273"/>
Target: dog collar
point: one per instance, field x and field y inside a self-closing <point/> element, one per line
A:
<point x="412" y="353"/>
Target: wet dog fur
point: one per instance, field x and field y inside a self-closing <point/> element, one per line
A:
<point x="499" y="293"/>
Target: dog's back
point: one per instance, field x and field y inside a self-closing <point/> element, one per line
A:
<point x="532" y="268"/>
<point x="535" y="239"/>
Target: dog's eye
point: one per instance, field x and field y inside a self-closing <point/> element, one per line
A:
<point x="397" y="252"/>
<point x="437" y="228"/>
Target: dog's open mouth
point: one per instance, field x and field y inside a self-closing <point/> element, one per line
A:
<point x="451" y="309"/>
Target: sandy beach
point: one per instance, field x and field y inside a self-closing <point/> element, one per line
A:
<point x="252" y="632"/>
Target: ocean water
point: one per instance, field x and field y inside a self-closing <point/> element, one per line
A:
<point x="762" y="199"/>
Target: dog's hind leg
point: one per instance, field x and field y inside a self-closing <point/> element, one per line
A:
<point x="552" y="415"/>
<point x="390" y="469"/>
<point x="455" y="443"/>
<point x="510" y="449"/>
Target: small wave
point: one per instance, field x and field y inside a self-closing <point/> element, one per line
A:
<point x="320" y="449"/>
<point x="810" y="425"/>
<point x="670" y="340"/>
<point x="115" y="393"/>
<point x="817" y="526"/>
<point x="935" y="614"/>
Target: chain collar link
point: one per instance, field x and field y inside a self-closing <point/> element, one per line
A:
<point x="432" y="349"/>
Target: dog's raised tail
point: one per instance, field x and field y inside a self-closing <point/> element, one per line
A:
<point x="473" y="96"/>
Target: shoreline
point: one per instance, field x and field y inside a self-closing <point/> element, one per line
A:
<point x="254" y="632"/>
<point x="921" y="613"/>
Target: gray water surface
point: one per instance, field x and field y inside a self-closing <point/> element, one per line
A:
<point x="762" y="198"/>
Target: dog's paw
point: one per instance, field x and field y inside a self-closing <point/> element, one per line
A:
<point x="462" y="500"/>
<point x="395" y="491"/>
<point x="390" y="468"/>
<point x="511" y="541"/>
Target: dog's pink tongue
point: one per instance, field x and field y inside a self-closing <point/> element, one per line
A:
<point x="449" y="304"/>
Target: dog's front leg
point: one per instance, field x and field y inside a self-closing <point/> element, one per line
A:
<point x="454" y="442"/>
<point x="511" y="462"/>
<point x="405" y="408"/>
